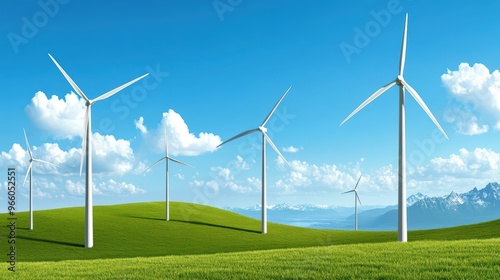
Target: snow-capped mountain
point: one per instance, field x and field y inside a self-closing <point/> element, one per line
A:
<point x="414" y="198"/>
<point x="474" y="199"/>
<point x="450" y="210"/>
<point x="285" y="207"/>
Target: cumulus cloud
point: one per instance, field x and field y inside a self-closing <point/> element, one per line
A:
<point x="109" y="187"/>
<point x="466" y="122"/>
<point x="16" y="156"/>
<point x="475" y="106"/>
<point x="291" y="149"/>
<point x="313" y="177"/>
<point x="481" y="161"/>
<point x="223" y="179"/>
<point x="180" y="140"/>
<point x="241" y="164"/>
<point x="78" y="188"/>
<point x="63" y="118"/>
<point x="110" y="155"/>
<point x="139" y="124"/>
<point x="113" y="187"/>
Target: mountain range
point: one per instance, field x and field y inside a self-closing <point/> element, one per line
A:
<point x="424" y="212"/>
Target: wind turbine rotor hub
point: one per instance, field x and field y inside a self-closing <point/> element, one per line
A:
<point x="263" y="129"/>
<point x="399" y="80"/>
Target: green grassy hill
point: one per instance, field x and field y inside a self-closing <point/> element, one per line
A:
<point x="122" y="233"/>
<point x="139" y="230"/>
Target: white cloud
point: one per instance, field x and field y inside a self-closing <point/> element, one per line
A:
<point x="109" y="187"/>
<point x="222" y="178"/>
<point x="15" y="156"/>
<point x="466" y="163"/>
<point x="241" y="164"/>
<point x="78" y="188"/>
<point x="110" y="155"/>
<point x="291" y="149"/>
<point x="180" y="140"/>
<point x="113" y="187"/>
<point x="139" y="124"/>
<point x="476" y="98"/>
<point x="465" y="121"/>
<point x="314" y="177"/>
<point x="62" y="118"/>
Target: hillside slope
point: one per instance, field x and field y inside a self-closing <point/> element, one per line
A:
<point x="139" y="230"/>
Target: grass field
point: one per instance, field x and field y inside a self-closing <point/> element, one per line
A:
<point x="132" y="241"/>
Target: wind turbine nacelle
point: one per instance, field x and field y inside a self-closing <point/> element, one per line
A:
<point x="263" y="129"/>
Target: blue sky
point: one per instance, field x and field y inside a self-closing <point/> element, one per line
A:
<point x="217" y="68"/>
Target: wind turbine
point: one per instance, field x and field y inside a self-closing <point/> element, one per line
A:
<point x="87" y="146"/>
<point x="265" y="139"/>
<point x="30" y="173"/>
<point x="400" y="81"/>
<point x="356" y="199"/>
<point x="167" y="158"/>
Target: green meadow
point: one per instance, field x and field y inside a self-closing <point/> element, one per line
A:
<point x="133" y="241"/>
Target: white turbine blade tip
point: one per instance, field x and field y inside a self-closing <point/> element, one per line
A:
<point x="422" y="104"/>
<point x="158" y="161"/>
<point x="275" y="148"/>
<point x="275" y="106"/>
<point x="238" y="136"/>
<point x="180" y="162"/>
<point x="370" y="99"/>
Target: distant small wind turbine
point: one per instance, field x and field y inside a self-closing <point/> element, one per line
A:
<point x="167" y="158"/>
<point x="400" y="81"/>
<point x="87" y="146"/>
<point x="30" y="173"/>
<point x="356" y="199"/>
<point x="265" y="139"/>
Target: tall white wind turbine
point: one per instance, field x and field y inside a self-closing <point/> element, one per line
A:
<point x="167" y="158"/>
<point x="265" y="138"/>
<point x="400" y="81"/>
<point x="30" y="173"/>
<point x="356" y="199"/>
<point x="87" y="146"/>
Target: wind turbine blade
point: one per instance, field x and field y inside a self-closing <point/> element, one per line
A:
<point x="111" y="92"/>
<point x="419" y="100"/>
<point x="28" y="171"/>
<point x="238" y="136"/>
<point x="84" y="139"/>
<point x="358" y="182"/>
<point x="158" y="161"/>
<point x="357" y="197"/>
<point x="180" y="162"/>
<point x="370" y="99"/>
<point x="275" y="106"/>
<point x="347" y="192"/>
<point x="27" y="144"/>
<point x="71" y="82"/>
<point x="403" y="49"/>
<point x="46" y="162"/>
<point x="275" y="149"/>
